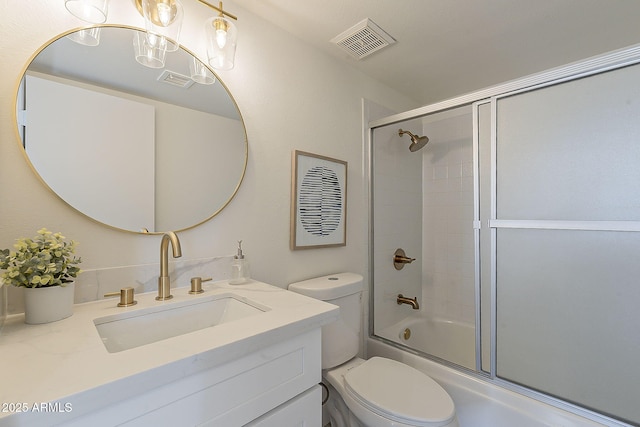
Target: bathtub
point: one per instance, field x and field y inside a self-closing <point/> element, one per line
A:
<point x="448" y="340"/>
<point x="481" y="402"/>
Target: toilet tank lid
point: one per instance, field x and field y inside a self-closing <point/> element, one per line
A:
<point x="329" y="287"/>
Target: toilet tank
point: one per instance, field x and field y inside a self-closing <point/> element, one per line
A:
<point x="340" y="339"/>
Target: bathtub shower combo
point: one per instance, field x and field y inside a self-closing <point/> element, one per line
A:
<point x="424" y="258"/>
<point x="506" y="249"/>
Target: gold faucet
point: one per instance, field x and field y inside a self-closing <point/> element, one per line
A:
<point x="413" y="302"/>
<point x="164" y="281"/>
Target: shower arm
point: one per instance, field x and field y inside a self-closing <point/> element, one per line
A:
<point x="401" y="132"/>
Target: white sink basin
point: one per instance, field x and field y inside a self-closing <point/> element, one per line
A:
<point x="124" y="331"/>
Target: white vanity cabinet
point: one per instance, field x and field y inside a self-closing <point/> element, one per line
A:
<point x="260" y="371"/>
<point x="282" y="378"/>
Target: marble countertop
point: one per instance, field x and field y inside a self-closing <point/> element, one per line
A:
<point x="66" y="361"/>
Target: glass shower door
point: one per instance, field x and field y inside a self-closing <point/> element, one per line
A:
<point x="423" y="203"/>
<point x="567" y="221"/>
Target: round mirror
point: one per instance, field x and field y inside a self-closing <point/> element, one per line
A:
<point x="126" y="141"/>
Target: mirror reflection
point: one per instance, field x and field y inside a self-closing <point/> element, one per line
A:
<point x="128" y="145"/>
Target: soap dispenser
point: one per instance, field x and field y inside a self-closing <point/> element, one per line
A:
<point x="239" y="267"/>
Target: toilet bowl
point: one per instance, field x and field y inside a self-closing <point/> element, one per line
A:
<point x="378" y="392"/>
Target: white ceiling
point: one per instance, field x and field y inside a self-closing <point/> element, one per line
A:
<point x="447" y="48"/>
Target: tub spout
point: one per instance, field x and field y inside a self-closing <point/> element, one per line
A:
<point x="413" y="302"/>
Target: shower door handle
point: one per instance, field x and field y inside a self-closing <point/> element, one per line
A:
<point x="400" y="259"/>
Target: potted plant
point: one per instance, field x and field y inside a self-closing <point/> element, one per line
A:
<point x="45" y="266"/>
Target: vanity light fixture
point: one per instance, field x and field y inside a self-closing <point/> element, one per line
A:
<point x="222" y="36"/>
<point x="150" y="50"/>
<point x="163" y="23"/>
<point x="93" y="11"/>
<point x="87" y="37"/>
<point x="164" y="18"/>
<point x="200" y="73"/>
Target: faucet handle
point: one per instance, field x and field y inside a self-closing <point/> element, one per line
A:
<point x="196" y="284"/>
<point x="126" y="296"/>
<point x="400" y="259"/>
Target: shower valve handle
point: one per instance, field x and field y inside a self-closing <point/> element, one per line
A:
<point x="403" y="259"/>
<point x="400" y="259"/>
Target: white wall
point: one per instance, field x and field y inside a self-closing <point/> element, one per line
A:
<point x="290" y="96"/>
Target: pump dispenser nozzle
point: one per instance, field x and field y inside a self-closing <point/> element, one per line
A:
<point x="240" y="254"/>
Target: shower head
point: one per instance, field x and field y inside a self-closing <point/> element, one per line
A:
<point x="417" y="142"/>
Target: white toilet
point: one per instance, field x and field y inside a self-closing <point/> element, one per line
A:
<point x="378" y="392"/>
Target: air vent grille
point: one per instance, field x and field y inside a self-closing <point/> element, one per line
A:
<point x="363" y="39"/>
<point x="175" y="79"/>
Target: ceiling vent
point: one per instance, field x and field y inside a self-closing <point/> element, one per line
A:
<point x="363" y="39"/>
<point x="175" y="79"/>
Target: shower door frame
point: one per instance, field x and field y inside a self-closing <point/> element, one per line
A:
<point x="596" y="65"/>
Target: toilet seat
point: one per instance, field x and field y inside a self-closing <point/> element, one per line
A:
<point x="399" y="393"/>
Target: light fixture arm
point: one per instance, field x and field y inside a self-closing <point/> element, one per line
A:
<point x="219" y="9"/>
<point x="216" y="8"/>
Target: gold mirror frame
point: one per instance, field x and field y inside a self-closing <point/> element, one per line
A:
<point x="19" y="139"/>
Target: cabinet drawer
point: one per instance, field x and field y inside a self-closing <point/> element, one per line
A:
<point x="304" y="410"/>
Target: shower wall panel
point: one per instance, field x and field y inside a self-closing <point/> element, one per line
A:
<point x="447" y="228"/>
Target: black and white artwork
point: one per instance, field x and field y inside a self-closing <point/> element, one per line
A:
<point x="318" y="201"/>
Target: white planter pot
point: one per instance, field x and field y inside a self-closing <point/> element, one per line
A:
<point x="44" y="305"/>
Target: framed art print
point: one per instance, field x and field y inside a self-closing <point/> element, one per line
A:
<point x="318" y="201"/>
